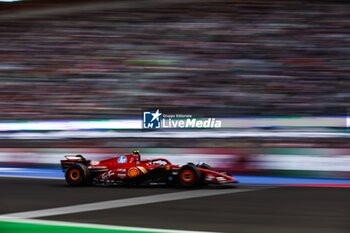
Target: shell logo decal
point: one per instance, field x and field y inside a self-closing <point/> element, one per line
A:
<point x="133" y="172"/>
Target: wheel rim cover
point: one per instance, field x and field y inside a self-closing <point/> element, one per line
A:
<point x="187" y="176"/>
<point x="74" y="174"/>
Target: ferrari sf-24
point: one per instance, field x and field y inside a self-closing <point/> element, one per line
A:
<point x="130" y="169"/>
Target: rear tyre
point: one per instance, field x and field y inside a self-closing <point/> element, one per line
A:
<point x="77" y="175"/>
<point x="189" y="176"/>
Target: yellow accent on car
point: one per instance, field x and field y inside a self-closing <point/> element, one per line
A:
<point x="144" y="170"/>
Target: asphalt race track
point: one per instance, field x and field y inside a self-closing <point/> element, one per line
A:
<point x="239" y="209"/>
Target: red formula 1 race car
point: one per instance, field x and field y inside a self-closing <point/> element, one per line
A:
<point x="130" y="169"/>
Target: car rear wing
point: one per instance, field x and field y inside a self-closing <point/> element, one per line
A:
<point x="73" y="159"/>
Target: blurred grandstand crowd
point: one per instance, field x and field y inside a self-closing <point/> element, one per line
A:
<point x="234" y="58"/>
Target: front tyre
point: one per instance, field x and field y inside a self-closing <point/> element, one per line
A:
<point x="205" y="166"/>
<point x="189" y="176"/>
<point x="77" y="175"/>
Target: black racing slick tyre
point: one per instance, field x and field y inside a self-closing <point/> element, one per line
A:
<point x="77" y="175"/>
<point x="225" y="173"/>
<point x="205" y="166"/>
<point x="189" y="176"/>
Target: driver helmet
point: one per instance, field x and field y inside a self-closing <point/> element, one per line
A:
<point x="136" y="153"/>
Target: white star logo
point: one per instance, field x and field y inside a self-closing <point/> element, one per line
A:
<point x="156" y="115"/>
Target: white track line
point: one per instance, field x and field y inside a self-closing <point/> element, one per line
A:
<point x="124" y="203"/>
<point x="96" y="226"/>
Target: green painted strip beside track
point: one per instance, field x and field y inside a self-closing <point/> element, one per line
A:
<point x="18" y="227"/>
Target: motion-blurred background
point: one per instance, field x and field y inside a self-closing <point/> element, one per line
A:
<point x="67" y="61"/>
